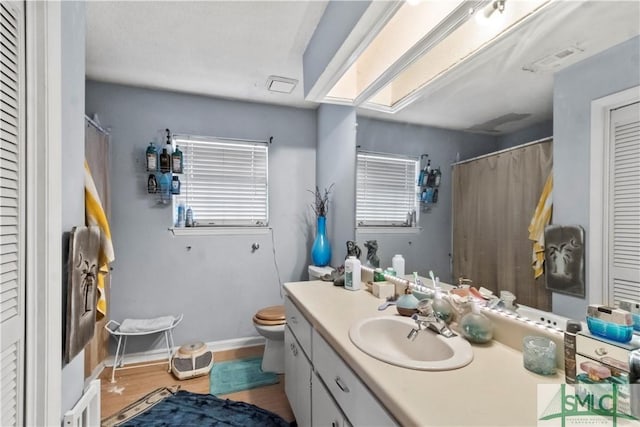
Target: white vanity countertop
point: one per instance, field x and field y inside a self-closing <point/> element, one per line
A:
<point x="493" y="390"/>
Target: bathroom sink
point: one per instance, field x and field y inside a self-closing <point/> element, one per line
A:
<point x="385" y="338"/>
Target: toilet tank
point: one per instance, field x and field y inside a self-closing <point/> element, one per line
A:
<point x="315" y="272"/>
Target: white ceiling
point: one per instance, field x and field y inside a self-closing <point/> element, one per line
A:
<point x="229" y="49"/>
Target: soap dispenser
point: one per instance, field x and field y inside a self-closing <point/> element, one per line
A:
<point x="475" y="326"/>
<point x="441" y="307"/>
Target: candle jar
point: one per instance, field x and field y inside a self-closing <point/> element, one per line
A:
<point x="539" y="354"/>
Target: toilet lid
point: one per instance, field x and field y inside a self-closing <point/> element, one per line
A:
<point x="273" y="315"/>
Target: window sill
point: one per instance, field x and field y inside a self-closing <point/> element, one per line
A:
<point x="388" y="230"/>
<point x="218" y="231"/>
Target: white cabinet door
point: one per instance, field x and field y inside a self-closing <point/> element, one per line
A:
<point x="325" y="410"/>
<point x="12" y="213"/>
<point x="297" y="379"/>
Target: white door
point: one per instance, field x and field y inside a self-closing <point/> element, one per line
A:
<point x="624" y="204"/>
<point x="12" y="196"/>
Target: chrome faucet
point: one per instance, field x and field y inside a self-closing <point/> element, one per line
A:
<point x="427" y="318"/>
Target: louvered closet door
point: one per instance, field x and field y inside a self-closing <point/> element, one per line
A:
<point x="12" y="184"/>
<point x="624" y="206"/>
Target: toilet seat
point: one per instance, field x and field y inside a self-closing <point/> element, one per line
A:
<point x="270" y="316"/>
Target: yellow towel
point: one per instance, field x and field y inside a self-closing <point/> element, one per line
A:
<point x="541" y="218"/>
<point x="95" y="216"/>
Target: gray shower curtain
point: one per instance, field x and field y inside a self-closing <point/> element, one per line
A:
<point x="494" y="198"/>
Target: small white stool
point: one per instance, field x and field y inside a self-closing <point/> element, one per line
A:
<point x="137" y="327"/>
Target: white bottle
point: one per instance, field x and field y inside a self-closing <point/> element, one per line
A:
<point x="352" y="273"/>
<point x="397" y="262"/>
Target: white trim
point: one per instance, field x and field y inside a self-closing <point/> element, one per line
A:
<point x="218" y="231"/>
<point x="95" y="374"/>
<point x="43" y="223"/>
<point x="388" y="230"/>
<point x="161" y="353"/>
<point x="598" y="250"/>
<point x="372" y="21"/>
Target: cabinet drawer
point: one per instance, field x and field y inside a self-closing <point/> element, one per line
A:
<point x="604" y="351"/>
<point x="299" y="325"/>
<point x="354" y="398"/>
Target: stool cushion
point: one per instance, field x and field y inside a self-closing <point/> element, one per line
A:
<point x="146" y="325"/>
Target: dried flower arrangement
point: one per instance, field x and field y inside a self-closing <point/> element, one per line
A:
<point x="321" y="203"/>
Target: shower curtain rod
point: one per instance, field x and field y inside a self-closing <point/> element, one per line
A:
<point x="96" y="125"/>
<point x="538" y="141"/>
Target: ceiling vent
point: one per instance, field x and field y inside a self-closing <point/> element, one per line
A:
<point x="554" y="61"/>
<point x="281" y="84"/>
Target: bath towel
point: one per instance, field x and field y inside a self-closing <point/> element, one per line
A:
<point x="541" y="218"/>
<point x="95" y="216"/>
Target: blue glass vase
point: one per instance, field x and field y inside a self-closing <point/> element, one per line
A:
<point x="321" y="250"/>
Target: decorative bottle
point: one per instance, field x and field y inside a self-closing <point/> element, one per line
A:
<point x="176" y="160"/>
<point x="352" y="273"/>
<point x="152" y="158"/>
<point x="321" y="250"/>
<point x="475" y="326"/>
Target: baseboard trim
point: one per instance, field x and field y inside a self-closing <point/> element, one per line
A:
<point x="161" y="353"/>
<point x="95" y="374"/>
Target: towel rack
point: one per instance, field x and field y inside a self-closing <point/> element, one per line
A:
<point x="114" y="329"/>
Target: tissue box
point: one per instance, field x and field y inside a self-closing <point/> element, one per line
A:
<point x="383" y="289"/>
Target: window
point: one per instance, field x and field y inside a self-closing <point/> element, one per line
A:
<point x="386" y="192"/>
<point x="225" y="181"/>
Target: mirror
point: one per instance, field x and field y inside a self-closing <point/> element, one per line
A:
<point x="537" y="82"/>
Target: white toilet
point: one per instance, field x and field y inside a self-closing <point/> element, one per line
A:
<point x="270" y="323"/>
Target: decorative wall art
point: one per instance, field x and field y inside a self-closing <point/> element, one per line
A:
<point x="564" y="259"/>
<point x="82" y="273"/>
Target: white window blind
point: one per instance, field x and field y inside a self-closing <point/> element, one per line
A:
<point x="386" y="189"/>
<point x="624" y="204"/>
<point x="225" y="183"/>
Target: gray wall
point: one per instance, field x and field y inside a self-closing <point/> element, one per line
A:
<point x="72" y="126"/>
<point x="530" y="134"/>
<point x="336" y="165"/>
<point x="612" y="71"/>
<point x="431" y="248"/>
<point x="219" y="283"/>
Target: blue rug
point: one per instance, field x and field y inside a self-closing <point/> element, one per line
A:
<point x="236" y="375"/>
<point x="164" y="408"/>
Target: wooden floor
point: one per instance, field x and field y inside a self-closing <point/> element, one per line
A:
<point x="132" y="384"/>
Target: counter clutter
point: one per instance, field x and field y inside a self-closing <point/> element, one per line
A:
<point x="494" y="389"/>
